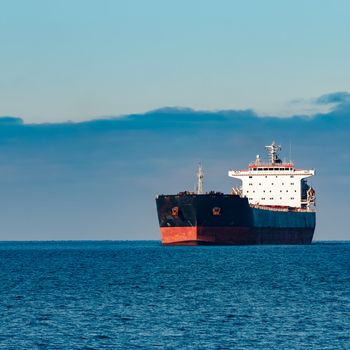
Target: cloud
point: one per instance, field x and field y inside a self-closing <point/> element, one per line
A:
<point x="10" y="121"/>
<point x="323" y="105"/>
<point x="98" y="179"/>
<point x="336" y="97"/>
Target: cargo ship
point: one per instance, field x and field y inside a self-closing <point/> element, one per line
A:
<point x="273" y="205"/>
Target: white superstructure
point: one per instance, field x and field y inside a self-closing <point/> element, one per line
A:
<point x="275" y="183"/>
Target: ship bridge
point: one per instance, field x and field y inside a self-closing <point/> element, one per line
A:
<point x="275" y="183"/>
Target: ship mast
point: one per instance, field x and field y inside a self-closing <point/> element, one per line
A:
<point x="200" y="175"/>
<point x="272" y="151"/>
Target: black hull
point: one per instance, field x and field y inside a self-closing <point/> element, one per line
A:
<point x="218" y="219"/>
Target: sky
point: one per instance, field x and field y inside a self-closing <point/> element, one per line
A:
<point x="105" y="104"/>
<point x="83" y="59"/>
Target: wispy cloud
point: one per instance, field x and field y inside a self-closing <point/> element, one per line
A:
<point x="334" y="98"/>
<point x="312" y="106"/>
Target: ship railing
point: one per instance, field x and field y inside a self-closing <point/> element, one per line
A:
<point x="191" y="193"/>
<point x="268" y="164"/>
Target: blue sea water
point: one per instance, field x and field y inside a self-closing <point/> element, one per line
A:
<point x="140" y="295"/>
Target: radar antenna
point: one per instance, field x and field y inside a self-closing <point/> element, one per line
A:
<point x="272" y="151"/>
<point x="200" y="175"/>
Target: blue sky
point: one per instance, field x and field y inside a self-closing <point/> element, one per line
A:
<point x="76" y="60"/>
<point x="82" y="156"/>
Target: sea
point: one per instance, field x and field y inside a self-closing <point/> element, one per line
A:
<point x="141" y="295"/>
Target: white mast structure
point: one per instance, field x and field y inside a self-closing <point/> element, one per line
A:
<point x="200" y="175"/>
<point x="272" y="151"/>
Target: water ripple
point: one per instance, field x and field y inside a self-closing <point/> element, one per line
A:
<point x="137" y="295"/>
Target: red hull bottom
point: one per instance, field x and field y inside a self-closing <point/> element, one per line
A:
<point x="191" y="236"/>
